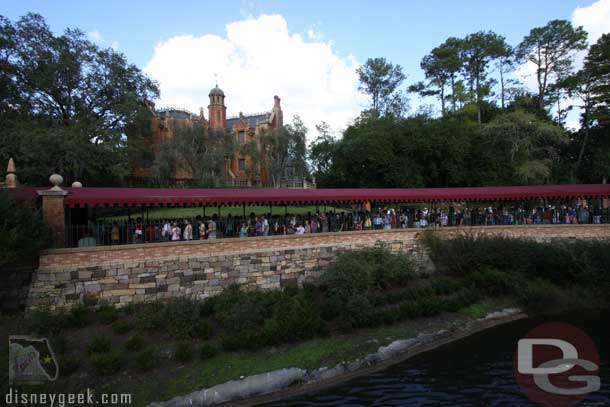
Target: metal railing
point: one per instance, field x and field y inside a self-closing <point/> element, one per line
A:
<point x="140" y="230"/>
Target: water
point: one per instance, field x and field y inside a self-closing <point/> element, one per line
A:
<point x="475" y="371"/>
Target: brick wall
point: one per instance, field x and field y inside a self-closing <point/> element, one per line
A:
<point x="145" y="272"/>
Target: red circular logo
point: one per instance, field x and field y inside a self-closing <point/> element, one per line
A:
<point x="556" y="365"/>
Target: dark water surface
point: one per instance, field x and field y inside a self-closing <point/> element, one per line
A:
<point x="475" y="371"/>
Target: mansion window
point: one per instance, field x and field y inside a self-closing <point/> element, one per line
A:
<point x="241" y="164"/>
<point x="241" y="137"/>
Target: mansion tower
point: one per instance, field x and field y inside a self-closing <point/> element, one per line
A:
<point x="240" y="168"/>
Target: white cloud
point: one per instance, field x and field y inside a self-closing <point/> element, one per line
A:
<point x="312" y="34"/>
<point x="257" y="59"/>
<point x="595" y="19"/>
<point x="97" y="37"/>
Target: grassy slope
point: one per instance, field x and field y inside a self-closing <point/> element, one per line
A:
<point x="172" y="379"/>
<point x="165" y="384"/>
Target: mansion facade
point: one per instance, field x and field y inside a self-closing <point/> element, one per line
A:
<point x="239" y="168"/>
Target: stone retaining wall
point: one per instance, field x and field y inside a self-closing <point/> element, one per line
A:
<point x="145" y="272"/>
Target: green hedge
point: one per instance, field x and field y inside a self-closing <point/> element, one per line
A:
<point x="563" y="262"/>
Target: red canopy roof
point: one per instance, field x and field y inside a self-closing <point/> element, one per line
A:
<point x="281" y="196"/>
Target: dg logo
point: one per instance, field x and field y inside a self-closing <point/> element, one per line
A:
<point x="557" y="365"/>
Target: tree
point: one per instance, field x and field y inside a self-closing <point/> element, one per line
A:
<point x="22" y="231"/>
<point x="194" y="152"/>
<point x="65" y="103"/>
<point x="280" y="154"/>
<point x="550" y="49"/>
<point x="441" y="67"/>
<point x="579" y="86"/>
<point x="321" y="152"/>
<point x="380" y="80"/>
<point x="526" y="145"/>
<point x="505" y="64"/>
<point x="477" y="51"/>
<point x="597" y="69"/>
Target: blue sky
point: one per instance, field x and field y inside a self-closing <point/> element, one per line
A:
<point x="352" y="31"/>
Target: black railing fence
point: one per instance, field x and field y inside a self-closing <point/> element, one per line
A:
<point x="103" y="232"/>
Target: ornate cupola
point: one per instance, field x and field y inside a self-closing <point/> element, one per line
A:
<point x="217" y="111"/>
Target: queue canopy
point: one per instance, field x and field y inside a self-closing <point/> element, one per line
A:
<point x="92" y="197"/>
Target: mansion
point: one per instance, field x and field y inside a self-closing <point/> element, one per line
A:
<point x="239" y="168"/>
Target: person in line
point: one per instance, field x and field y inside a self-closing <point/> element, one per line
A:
<point x="212" y="229"/>
<point x="188" y="231"/>
<point x="166" y="231"/>
<point x="175" y="232"/>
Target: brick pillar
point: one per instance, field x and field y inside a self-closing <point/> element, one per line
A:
<point x="53" y="211"/>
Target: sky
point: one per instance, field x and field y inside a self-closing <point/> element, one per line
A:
<point x="306" y="52"/>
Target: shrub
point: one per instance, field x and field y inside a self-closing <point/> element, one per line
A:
<point x="150" y="316"/>
<point x="348" y="277"/>
<point x="293" y="318"/>
<point x="387" y="268"/>
<point x="206" y="308"/>
<point x="184" y="351"/>
<point x="90" y="300"/>
<point x="459" y="299"/>
<point x="247" y="339"/>
<point x="239" y="311"/>
<point x="107" y="363"/>
<point x="134" y="343"/>
<point x="181" y="317"/>
<point x="543" y="297"/>
<point x="99" y="344"/>
<point x="147" y="359"/>
<point x="430" y="306"/>
<point x="42" y="321"/>
<point x="207" y="351"/>
<point x="121" y="327"/>
<point x="563" y="262"/>
<point x="23" y="233"/>
<point x="202" y="330"/>
<point x="409" y="310"/>
<point x="68" y="364"/>
<point x="59" y="345"/>
<point x="107" y="314"/>
<point x="476" y="310"/>
<point x="79" y="317"/>
<point x="444" y="285"/>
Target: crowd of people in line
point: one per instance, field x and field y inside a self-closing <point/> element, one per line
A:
<point x="200" y="228"/>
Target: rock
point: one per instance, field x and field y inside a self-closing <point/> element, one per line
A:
<point x="238" y="389"/>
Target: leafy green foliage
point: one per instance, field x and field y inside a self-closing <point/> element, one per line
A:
<point x="147" y="359"/>
<point x="380" y="80"/>
<point x="207" y="351"/>
<point x="107" y="363"/>
<point x="562" y="262"/>
<point x="121" y="326"/>
<point x="550" y="49"/>
<point x="22" y="231"/>
<point x="184" y="351"/>
<point x="529" y="146"/>
<point x="66" y="103"/>
<point x="79" y="316"/>
<point x="107" y="314"/>
<point x="135" y="343"/>
<point x="99" y="344"/>
<point x="194" y="150"/>
<point x="281" y="153"/>
<point x="68" y="364"/>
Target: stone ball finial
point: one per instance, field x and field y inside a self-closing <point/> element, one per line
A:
<point x="77" y="184"/>
<point x="56" y="180"/>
